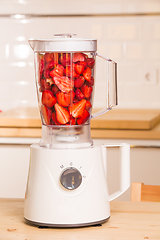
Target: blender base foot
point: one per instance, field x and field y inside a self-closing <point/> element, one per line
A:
<point x="66" y="225"/>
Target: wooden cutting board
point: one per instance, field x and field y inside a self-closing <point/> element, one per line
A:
<point x="115" y="119"/>
<point x="127" y="119"/>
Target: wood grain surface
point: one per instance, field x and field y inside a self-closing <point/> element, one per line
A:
<point x="128" y="221"/>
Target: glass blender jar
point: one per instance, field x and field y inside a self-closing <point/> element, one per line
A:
<point x="65" y="69"/>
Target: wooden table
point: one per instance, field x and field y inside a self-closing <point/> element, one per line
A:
<point x="128" y="221"/>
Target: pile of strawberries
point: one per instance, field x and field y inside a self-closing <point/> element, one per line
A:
<point x="66" y="83"/>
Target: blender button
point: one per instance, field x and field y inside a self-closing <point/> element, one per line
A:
<point x="71" y="178"/>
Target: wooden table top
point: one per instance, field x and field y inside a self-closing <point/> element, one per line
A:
<point x="128" y="221"/>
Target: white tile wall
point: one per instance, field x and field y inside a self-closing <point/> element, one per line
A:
<point x="132" y="41"/>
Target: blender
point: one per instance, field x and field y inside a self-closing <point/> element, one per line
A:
<point x="67" y="181"/>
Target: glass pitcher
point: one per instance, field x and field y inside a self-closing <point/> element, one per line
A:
<point x="65" y="80"/>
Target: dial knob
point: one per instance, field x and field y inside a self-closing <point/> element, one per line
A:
<point x="71" y="178"/>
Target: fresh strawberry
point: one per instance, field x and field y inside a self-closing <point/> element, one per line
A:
<point x="78" y="57"/>
<point x="84" y="118"/>
<point x="54" y="119"/>
<point x="62" y="115"/>
<point x="55" y="89"/>
<point x="41" y="64"/>
<point x="68" y="73"/>
<point x="46" y="114"/>
<point x="57" y="71"/>
<point x="79" y="94"/>
<point x="50" y="65"/>
<point x="90" y="82"/>
<point x="84" y="64"/>
<point x="79" y="67"/>
<point x="87" y="74"/>
<point x="63" y="99"/>
<point x="65" y="59"/>
<point x="86" y="90"/>
<point x="78" y="82"/>
<point x="47" y="73"/>
<point x="88" y="105"/>
<point x="48" y="99"/>
<point x="44" y="85"/>
<point x="48" y="57"/>
<point x="64" y="83"/>
<point x="90" y="62"/>
<point x="78" y="108"/>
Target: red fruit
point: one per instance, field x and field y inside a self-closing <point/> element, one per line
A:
<point x="68" y="73"/>
<point x="63" y="98"/>
<point x="48" y="99"/>
<point x="84" y="64"/>
<point x="78" y="57"/>
<point x="79" y="94"/>
<point x="48" y="57"/>
<point x="47" y="73"/>
<point x="88" y="105"/>
<point x="50" y="65"/>
<point x="62" y="115"/>
<point x="91" y="82"/>
<point x="57" y="71"/>
<point x="78" y="82"/>
<point x="87" y="74"/>
<point x="44" y="85"/>
<point x="86" y="90"/>
<point x="79" y="67"/>
<point x="46" y="114"/>
<point x="78" y="108"/>
<point x="65" y="59"/>
<point x="54" y="119"/>
<point x="55" y="89"/>
<point x="84" y="118"/>
<point x="90" y="62"/>
<point x="64" y="83"/>
<point x="41" y="64"/>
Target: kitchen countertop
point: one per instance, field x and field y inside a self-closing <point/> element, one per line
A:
<point x="129" y="220"/>
<point x="115" y="124"/>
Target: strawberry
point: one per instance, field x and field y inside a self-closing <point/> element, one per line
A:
<point x="79" y="67"/>
<point x="54" y="119"/>
<point x="87" y="74"/>
<point x="78" y="108"/>
<point x="46" y="114"/>
<point x="57" y="71"/>
<point x="55" y="89"/>
<point x="64" y="83"/>
<point x="40" y="59"/>
<point x="50" y="65"/>
<point x="90" y="82"/>
<point x="44" y="85"/>
<point x="84" y="118"/>
<point x="47" y="73"/>
<point x="86" y="90"/>
<point x="62" y="114"/>
<point x="88" y="105"/>
<point x="84" y="64"/>
<point x="48" y="57"/>
<point x="68" y="73"/>
<point x="90" y="62"/>
<point x="78" y="82"/>
<point x="78" y="57"/>
<point x="48" y="99"/>
<point x="63" y="98"/>
<point x="65" y="59"/>
<point x="79" y="94"/>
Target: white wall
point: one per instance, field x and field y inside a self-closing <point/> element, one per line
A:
<point x="131" y="40"/>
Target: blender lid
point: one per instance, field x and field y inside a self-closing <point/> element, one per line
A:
<point x="63" y="43"/>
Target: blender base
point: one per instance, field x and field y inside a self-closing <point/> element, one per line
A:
<point x="78" y="199"/>
<point x="65" y="225"/>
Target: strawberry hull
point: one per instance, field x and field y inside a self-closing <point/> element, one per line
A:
<point x="65" y="83"/>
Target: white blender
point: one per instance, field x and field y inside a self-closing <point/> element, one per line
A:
<point x="67" y="182"/>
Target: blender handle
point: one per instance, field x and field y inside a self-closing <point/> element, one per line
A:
<point x="108" y="108"/>
<point x="124" y="167"/>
